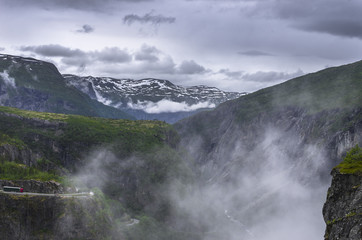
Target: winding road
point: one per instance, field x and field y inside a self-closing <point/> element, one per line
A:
<point x="83" y="194"/>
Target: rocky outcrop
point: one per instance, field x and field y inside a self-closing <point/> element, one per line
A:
<point x="342" y="211"/>
<point x="38" y="217"/>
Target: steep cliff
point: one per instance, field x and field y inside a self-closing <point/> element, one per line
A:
<point x="131" y="156"/>
<point x="343" y="208"/>
<point x="263" y="154"/>
<point x="29" y="217"/>
<point x="323" y="109"/>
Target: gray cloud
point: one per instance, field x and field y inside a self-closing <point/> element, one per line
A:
<point x="335" y="17"/>
<point x="147" y="53"/>
<point x="270" y="76"/>
<point x="53" y="50"/>
<point x="86" y="29"/>
<point x="254" y="53"/>
<point x="84" y="5"/>
<point x="190" y="67"/>
<point x="112" y="55"/>
<point x="231" y="74"/>
<point x="148" y="18"/>
<point x="76" y="57"/>
<point x="334" y="27"/>
<point x="2" y="49"/>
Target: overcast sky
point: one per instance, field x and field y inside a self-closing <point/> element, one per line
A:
<point x="235" y="45"/>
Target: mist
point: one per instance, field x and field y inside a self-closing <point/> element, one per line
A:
<point x="165" y="105"/>
<point x="272" y="192"/>
<point x="7" y="79"/>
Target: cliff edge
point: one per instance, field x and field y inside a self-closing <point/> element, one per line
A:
<point x="342" y="211"/>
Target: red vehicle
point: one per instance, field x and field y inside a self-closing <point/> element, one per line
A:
<point x="13" y="189"/>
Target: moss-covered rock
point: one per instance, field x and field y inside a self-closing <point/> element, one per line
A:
<point x="343" y="208"/>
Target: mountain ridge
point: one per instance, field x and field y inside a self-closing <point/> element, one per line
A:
<point x="33" y="84"/>
<point x="151" y="98"/>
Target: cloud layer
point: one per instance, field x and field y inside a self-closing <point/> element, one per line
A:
<point x="238" y="45"/>
<point x="168" y="106"/>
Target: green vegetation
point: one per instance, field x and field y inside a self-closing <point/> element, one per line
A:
<point x="348" y="215"/>
<point x="141" y="155"/>
<point x="5" y="139"/>
<point x="79" y="133"/>
<point x="352" y="163"/>
<point x="332" y="88"/>
<point x="17" y="171"/>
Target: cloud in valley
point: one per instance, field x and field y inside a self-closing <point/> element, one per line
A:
<point x="10" y="81"/>
<point x="168" y="106"/>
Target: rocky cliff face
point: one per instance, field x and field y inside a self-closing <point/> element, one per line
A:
<point x="342" y="211"/>
<point x="37" y="217"/>
<point x="278" y="145"/>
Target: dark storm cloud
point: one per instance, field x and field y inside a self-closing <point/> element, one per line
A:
<point x="334" y="27"/>
<point x="336" y="17"/>
<point x="148" y="18"/>
<point x="147" y="53"/>
<point x="86" y="29"/>
<point x="190" y="67"/>
<point x="53" y="50"/>
<point x="254" y="53"/>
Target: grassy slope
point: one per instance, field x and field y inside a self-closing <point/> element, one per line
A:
<point x="139" y="135"/>
<point x="352" y="163"/>
<point x="332" y="88"/>
<point x="148" y="141"/>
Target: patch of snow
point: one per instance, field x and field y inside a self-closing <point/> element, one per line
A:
<point x="7" y="79"/>
<point x="100" y="98"/>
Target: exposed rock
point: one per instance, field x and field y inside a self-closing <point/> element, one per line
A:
<point x="343" y="209"/>
<point x="28" y="217"/>
<point x="34" y="186"/>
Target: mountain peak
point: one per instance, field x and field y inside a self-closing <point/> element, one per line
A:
<point x="149" y="95"/>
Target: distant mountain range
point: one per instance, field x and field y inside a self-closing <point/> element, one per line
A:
<point x="151" y="98"/>
<point x="32" y="84"/>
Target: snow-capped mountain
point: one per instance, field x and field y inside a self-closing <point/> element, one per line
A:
<point x="150" y="98"/>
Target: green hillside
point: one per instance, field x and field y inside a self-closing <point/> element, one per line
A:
<point x="334" y="89"/>
<point x="40" y="87"/>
